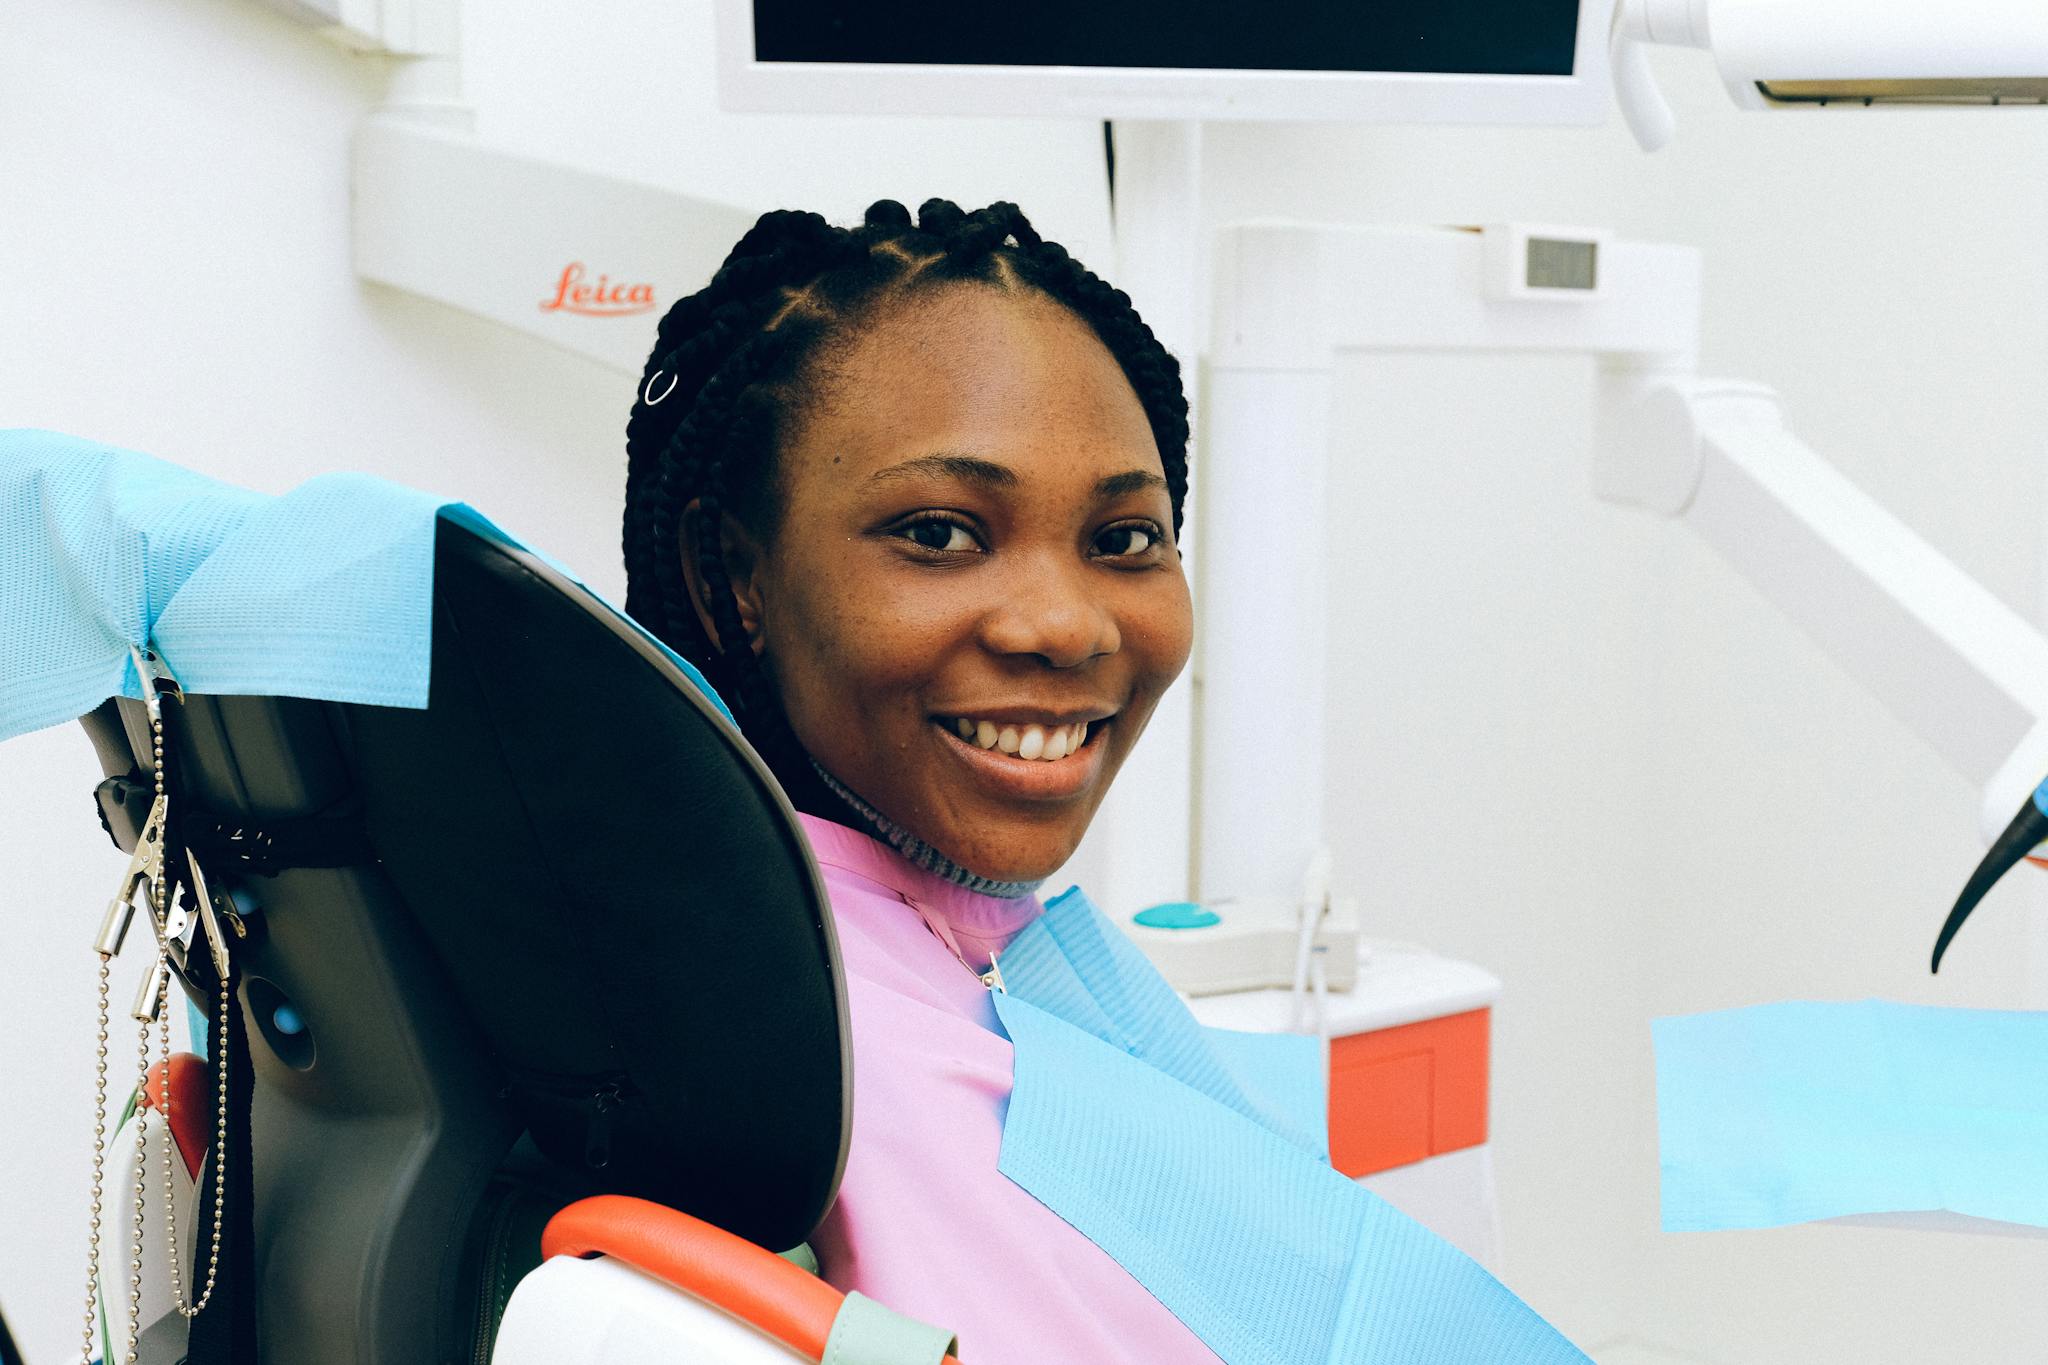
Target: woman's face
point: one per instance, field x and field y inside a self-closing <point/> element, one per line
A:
<point x="973" y="600"/>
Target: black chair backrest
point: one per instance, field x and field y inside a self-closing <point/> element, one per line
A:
<point x="566" y="900"/>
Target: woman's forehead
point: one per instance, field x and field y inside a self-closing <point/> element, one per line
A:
<point x="1015" y="380"/>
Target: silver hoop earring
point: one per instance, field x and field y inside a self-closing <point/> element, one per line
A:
<point x="664" y="393"/>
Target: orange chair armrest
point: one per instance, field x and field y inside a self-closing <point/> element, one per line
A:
<point x="750" y="1282"/>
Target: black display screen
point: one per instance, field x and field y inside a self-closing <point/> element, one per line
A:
<point x="1479" y="37"/>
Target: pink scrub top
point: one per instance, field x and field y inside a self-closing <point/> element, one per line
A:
<point x="925" y="1223"/>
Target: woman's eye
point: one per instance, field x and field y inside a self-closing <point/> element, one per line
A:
<point x="1122" y="542"/>
<point x="940" y="534"/>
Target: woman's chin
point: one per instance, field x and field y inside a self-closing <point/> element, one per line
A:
<point x="1017" y="855"/>
<point x="991" y="834"/>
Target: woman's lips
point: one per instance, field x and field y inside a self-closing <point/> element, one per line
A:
<point x="1030" y="779"/>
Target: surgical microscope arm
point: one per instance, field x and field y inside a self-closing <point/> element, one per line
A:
<point x="1958" y="665"/>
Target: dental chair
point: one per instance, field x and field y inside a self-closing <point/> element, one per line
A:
<point x="543" y="968"/>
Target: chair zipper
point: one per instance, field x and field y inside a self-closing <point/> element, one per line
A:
<point x="491" y="1282"/>
<point x="598" y="1096"/>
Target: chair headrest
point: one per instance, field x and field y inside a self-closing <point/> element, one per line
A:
<point x="617" y="889"/>
<point x="612" y="887"/>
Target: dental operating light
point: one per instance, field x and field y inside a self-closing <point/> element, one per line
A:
<point x="1837" y="54"/>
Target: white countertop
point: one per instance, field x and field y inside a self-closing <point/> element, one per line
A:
<point x="1398" y="983"/>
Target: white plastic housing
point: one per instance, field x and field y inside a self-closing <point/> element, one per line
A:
<point x="605" y="1312"/>
<point x="514" y="238"/>
<point x="1837" y="54"/>
<point x="1672" y="23"/>
<point x="1779" y="41"/>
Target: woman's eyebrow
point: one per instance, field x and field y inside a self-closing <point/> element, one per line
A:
<point x="971" y="468"/>
<point x="1130" y="481"/>
<point x="989" y="474"/>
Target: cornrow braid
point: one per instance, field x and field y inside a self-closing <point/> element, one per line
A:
<point x="734" y="362"/>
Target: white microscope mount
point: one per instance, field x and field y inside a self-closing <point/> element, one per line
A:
<point x="1955" y="663"/>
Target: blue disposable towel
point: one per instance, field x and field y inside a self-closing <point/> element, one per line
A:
<point x="325" y="591"/>
<point x="1210" y="1185"/>
<point x="1800" y="1110"/>
<point x="1080" y="967"/>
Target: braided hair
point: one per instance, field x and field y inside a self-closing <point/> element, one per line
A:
<point x="734" y="371"/>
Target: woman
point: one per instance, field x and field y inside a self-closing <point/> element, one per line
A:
<point x="910" y="495"/>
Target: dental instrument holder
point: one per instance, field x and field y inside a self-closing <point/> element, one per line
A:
<point x="1247" y="943"/>
<point x="2020" y="841"/>
<point x="511" y="951"/>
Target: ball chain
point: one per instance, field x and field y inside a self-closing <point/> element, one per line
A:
<point x="99" y="1167"/>
<point x="94" y="1299"/>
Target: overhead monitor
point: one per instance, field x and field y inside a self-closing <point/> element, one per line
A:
<point x="1386" y="61"/>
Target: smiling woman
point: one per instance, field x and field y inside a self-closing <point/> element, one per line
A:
<point x="929" y="477"/>
<point x="1020" y="575"/>
<point x="910" y="494"/>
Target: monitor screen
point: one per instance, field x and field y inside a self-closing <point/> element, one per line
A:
<point x="1493" y="37"/>
<point x="1384" y="61"/>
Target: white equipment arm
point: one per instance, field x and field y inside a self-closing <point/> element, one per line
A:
<point x="1955" y="663"/>
<point x="1963" y="669"/>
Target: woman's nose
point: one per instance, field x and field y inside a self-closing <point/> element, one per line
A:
<point x="1055" y="614"/>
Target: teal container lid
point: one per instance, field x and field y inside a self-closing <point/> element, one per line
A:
<point x="1176" y="915"/>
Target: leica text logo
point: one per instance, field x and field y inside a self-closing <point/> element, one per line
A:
<point x="605" y="299"/>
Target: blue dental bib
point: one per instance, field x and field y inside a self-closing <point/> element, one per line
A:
<point x="324" y="591"/>
<point x="1196" y="1158"/>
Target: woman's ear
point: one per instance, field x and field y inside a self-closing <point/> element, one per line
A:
<point x="741" y="555"/>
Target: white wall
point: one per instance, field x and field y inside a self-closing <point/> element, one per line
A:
<point x="1591" y="758"/>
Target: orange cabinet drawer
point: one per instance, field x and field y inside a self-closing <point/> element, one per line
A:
<point x="1401" y="1094"/>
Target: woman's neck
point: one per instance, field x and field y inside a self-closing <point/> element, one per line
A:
<point x="917" y="850"/>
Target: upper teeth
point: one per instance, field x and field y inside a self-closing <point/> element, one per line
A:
<point x="1025" y="741"/>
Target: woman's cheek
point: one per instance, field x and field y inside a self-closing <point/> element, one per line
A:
<point x="861" y="657"/>
<point x="1163" y="633"/>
